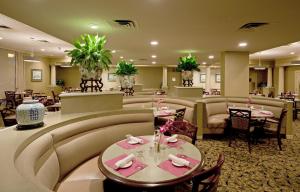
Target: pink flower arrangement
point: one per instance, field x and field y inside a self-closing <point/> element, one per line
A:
<point x="166" y="126"/>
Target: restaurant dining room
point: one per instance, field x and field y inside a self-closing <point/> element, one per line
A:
<point x="149" y="96"/>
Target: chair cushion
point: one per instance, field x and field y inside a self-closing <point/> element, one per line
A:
<point x="85" y="178"/>
<point x="217" y="121"/>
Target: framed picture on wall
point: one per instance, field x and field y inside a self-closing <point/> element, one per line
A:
<point x="36" y="75"/>
<point x="218" y="78"/>
<point x="202" y="78"/>
<point x="111" y="77"/>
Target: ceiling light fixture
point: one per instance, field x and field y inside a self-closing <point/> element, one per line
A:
<point x="121" y="57"/>
<point x="153" y="56"/>
<point x="243" y="44"/>
<point x="153" y="62"/>
<point x="259" y="67"/>
<point x="113" y="51"/>
<point x="10" y="55"/>
<point x="1" y="38"/>
<point x="204" y="63"/>
<point x="292" y="53"/>
<point x="211" y="57"/>
<point x="42" y="49"/>
<point x="131" y="60"/>
<point x="94" y="26"/>
<point x="32" y="60"/>
<point x="154" y="42"/>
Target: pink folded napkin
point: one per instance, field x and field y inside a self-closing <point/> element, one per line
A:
<point x="266" y="112"/>
<point x="178" y="171"/>
<point x="125" y="145"/>
<point x="135" y="167"/>
<point x="175" y="144"/>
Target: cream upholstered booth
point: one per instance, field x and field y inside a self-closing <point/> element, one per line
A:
<point x="214" y="110"/>
<point x="62" y="156"/>
<point x="174" y="103"/>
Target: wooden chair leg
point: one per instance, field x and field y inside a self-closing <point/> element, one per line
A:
<point x="249" y="142"/>
<point x="279" y="142"/>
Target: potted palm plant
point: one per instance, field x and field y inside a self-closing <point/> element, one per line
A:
<point x="126" y="71"/>
<point x="91" y="56"/>
<point x="186" y="66"/>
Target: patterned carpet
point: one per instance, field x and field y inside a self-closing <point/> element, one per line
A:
<point x="265" y="169"/>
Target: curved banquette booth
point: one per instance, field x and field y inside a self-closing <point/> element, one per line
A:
<point x="214" y="110"/>
<point x="174" y="103"/>
<point x="62" y="155"/>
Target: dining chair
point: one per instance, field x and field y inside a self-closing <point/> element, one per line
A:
<point x="271" y="131"/>
<point x="296" y="109"/>
<point x="240" y="123"/>
<point x="56" y="98"/>
<point x="179" y="114"/>
<point x="28" y="92"/>
<point x="204" y="180"/>
<point x="184" y="130"/>
<point x="10" y="98"/>
<point x="8" y="116"/>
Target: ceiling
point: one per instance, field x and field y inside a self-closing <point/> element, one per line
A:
<point x="24" y="38"/>
<point x="198" y="26"/>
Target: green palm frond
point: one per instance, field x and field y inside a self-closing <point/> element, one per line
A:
<point x="187" y="63"/>
<point x="90" y="54"/>
<point x="125" y="68"/>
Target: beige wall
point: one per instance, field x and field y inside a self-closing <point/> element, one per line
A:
<point x="7" y="72"/>
<point x="70" y="75"/>
<point x="289" y="76"/>
<point x="44" y="85"/>
<point x="150" y="77"/>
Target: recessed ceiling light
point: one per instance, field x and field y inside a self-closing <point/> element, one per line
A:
<point x="1" y="38"/>
<point x="211" y="57"/>
<point x="204" y="63"/>
<point x="10" y="55"/>
<point x="113" y="51"/>
<point x="154" y="42"/>
<point x="121" y="57"/>
<point x="292" y="53"/>
<point x="243" y="44"/>
<point x="131" y="60"/>
<point x="94" y="26"/>
<point x="153" y="56"/>
<point x="153" y="62"/>
<point x="42" y="49"/>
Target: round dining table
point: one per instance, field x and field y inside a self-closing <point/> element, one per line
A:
<point x="151" y="176"/>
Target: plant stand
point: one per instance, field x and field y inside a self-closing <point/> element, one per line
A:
<point x="187" y="83"/>
<point x="127" y="91"/>
<point x="94" y="84"/>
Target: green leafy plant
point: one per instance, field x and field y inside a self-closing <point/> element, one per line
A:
<point x="187" y="63"/>
<point x="89" y="53"/>
<point x="125" y="68"/>
<point x="60" y="82"/>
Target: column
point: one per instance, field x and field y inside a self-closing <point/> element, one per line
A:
<point x="196" y="79"/>
<point x="53" y="75"/>
<point x="270" y="77"/>
<point x="20" y="71"/>
<point x="280" y="80"/>
<point x="235" y="74"/>
<point x="165" y="78"/>
<point x="207" y="83"/>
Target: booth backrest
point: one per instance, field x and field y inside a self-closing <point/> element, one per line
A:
<point x="219" y="105"/>
<point x="51" y="156"/>
<point x="174" y="103"/>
